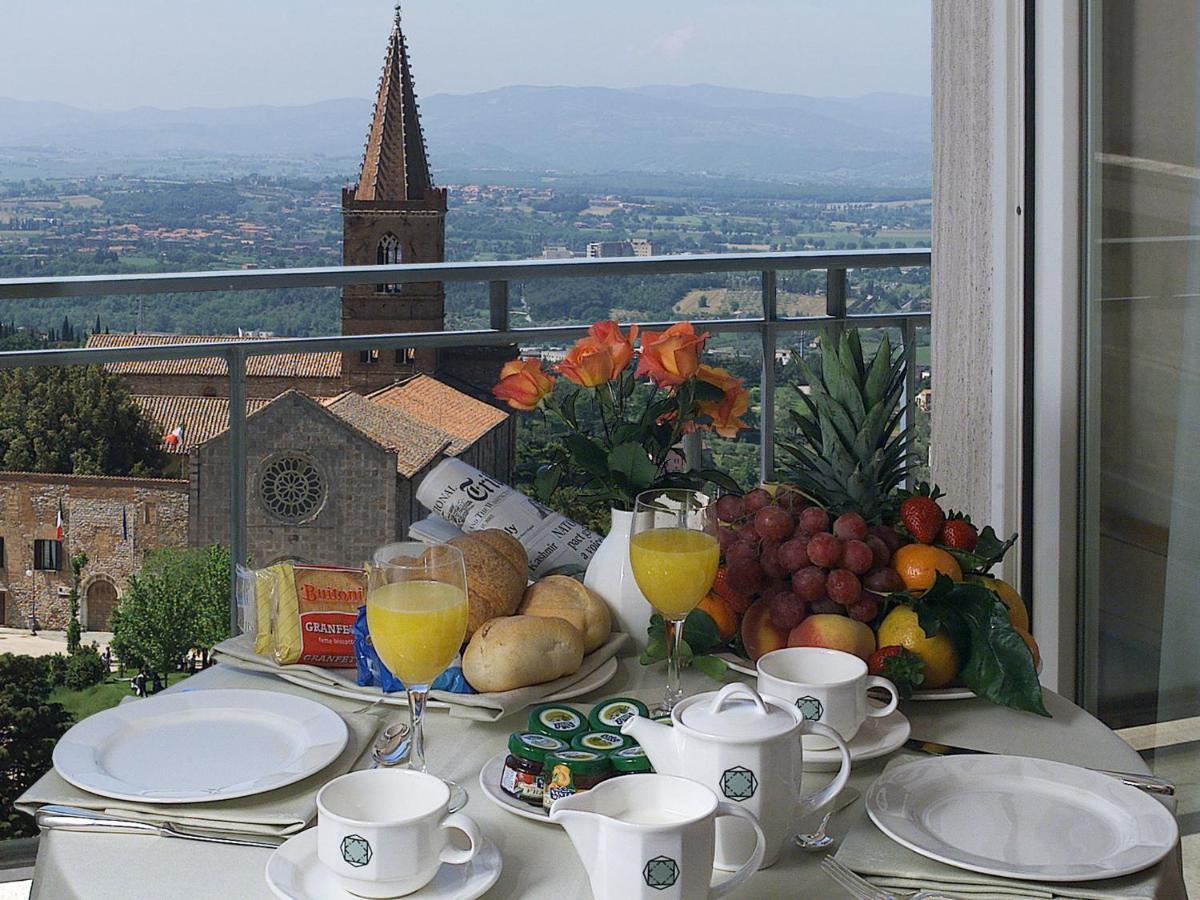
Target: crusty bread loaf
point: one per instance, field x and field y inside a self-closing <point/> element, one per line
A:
<point x="497" y="572"/>
<point x="565" y="598"/>
<point x="517" y="651"/>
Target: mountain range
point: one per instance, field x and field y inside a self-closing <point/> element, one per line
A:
<point x="877" y="138"/>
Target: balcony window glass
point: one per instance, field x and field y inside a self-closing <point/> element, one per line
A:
<point x="47" y="556"/>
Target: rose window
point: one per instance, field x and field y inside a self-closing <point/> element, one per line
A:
<point x="292" y="488"/>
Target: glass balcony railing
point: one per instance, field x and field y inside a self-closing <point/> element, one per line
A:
<point x="766" y="332"/>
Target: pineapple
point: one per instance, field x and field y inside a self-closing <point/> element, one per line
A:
<point x="850" y="453"/>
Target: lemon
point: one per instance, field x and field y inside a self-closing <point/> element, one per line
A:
<point x="901" y="627"/>
<point x="1017" y="613"/>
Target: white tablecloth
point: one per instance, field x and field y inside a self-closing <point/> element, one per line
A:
<point x="539" y="861"/>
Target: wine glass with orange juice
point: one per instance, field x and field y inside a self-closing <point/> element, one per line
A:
<point x="417" y="618"/>
<point x="674" y="553"/>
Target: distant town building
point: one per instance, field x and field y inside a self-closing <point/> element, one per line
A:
<point x="642" y="247"/>
<point x="558" y="252"/>
<point x="605" y="249"/>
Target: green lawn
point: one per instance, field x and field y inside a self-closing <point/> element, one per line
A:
<point x="81" y="704"/>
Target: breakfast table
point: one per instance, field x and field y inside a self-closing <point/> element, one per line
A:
<point x="538" y="859"/>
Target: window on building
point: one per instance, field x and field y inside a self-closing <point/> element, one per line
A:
<point x="2" y="563"/>
<point x="405" y="356"/>
<point x="47" y="556"/>
<point x="368" y="357"/>
<point x="150" y="513"/>
<point x="388" y="254"/>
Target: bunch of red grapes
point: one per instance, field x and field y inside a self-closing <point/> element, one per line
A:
<point x="788" y="552"/>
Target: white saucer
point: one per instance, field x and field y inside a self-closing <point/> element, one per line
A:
<point x="489" y="782"/>
<point x="876" y="737"/>
<point x="295" y="873"/>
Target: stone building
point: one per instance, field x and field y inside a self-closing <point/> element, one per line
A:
<point x="329" y="482"/>
<point x="116" y="521"/>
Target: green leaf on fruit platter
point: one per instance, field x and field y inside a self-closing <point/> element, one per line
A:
<point x="656" y="651"/>
<point x="988" y="551"/>
<point x="630" y="460"/>
<point x="997" y="664"/>
<point x="701" y="632"/>
<point x="715" y="668"/>
<point x="545" y="482"/>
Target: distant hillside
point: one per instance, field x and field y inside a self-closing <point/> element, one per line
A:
<point x="881" y="139"/>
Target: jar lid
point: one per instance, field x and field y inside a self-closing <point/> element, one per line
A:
<point x="631" y="760"/>
<point x="580" y="762"/>
<point x="609" y="715"/>
<point x="737" y="711"/>
<point x="600" y="741"/>
<point x="560" y="721"/>
<point x="534" y="746"/>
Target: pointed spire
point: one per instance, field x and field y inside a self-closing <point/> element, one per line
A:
<point x="395" y="164"/>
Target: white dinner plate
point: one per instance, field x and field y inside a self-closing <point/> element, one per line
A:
<point x="877" y="737"/>
<point x="746" y="667"/>
<point x="1018" y="817"/>
<point x="489" y="782"/>
<point x="200" y="746"/>
<point x="295" y="873"/>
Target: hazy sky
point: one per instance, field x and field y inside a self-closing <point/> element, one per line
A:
<point x="120" y="53"/>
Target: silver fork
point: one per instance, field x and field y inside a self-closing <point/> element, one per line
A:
<point x="861" y="889"/>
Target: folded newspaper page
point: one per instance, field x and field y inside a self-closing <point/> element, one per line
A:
<point x="472" y="501"/>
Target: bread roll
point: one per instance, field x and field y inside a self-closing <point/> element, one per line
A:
<point x="497" y="572"/>
<point x="517" y="651"/>
<point x="561" y="597"/>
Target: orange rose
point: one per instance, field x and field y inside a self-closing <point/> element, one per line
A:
<point x="598" y="358"/>
<point x="726" y="412"/>
<point x="671" y="357"/>
<point x="523" y="384"/>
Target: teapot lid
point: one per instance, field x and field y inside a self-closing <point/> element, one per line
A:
<point x="737" y="711"/>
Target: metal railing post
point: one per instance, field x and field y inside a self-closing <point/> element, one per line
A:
<point x="909" y="337"/>
<point x="835" y="299"/>
<point x="498" y="302"/>
<point x="766" y="399"/>
<point x="236" y="360"/>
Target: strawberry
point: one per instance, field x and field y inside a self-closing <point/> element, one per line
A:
<point x="923" y="518"/>
<point x="959" y="533"/>
<point x="901" y="666"/>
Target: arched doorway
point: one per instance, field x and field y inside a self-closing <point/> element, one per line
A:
<point x="101" y="601"/>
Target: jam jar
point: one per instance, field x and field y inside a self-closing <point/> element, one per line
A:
<point x="524" y="767"/>
<point x="608" y="715"/>
<point x="631" y="761"/>
<point x="557" y="721"/>
<point x="568" y="772"/>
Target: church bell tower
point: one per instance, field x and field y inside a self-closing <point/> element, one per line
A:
<point x="394" y="214"/>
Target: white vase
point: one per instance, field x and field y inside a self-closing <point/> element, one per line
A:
<point x="610" y="575"/>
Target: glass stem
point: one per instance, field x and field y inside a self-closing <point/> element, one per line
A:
<point x="674" y="651"/>
<point x="416" y="712"/>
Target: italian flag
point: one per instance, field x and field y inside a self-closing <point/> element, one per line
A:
<point x="58" y="523"/>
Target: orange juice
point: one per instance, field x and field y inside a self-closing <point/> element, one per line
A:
<point x="674" y="567"/>
<point x="417" y="627"/>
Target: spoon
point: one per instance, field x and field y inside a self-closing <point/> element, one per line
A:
<point x="819" y="839"/>
<point x="392" y="745"/>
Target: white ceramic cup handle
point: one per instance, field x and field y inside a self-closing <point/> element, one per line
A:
<point x="831" y="790"/>
<point x="725" y="885"/>
<point x="465" y="824"/>
<point x="876" y="711"/>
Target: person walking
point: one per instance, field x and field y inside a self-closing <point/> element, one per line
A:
<point x="139" y="683"/>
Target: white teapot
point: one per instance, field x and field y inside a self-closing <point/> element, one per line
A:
<point x="746" y="748"/>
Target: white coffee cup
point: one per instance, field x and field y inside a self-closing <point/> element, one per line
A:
<point x="652" y="836"/>
<point x="384" y="832"/>
<point x="827" y="686"/>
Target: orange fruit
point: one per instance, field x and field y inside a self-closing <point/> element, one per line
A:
<point x="918" y="565"/>
<point x="737" y="601"/>
<point x="1017" y="612"/>
<point x="721" y="613"/>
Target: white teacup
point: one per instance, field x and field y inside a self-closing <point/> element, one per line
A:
<point x="827" y="686"/>
<point x="384" y="832"/>
<point x="652" y="836"/>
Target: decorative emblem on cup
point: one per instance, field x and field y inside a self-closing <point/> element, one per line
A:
<point x="810" y="707"/>
<point x="661" y="873"/>
<point x="738" y="783"/>
<point x="356" y="851"/>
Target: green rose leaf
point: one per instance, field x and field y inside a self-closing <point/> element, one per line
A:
<point x="545" y="482"/>
<point x="631" y="462"/>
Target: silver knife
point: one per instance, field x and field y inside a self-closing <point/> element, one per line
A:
<point x="71" y="818"/>
<point x="1151" y="784"/>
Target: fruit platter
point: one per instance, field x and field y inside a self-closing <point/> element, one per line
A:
<point x="842" y="556"/>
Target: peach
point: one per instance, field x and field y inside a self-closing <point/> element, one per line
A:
<point x="835" y="633"/>
<point x="759" y="634"/>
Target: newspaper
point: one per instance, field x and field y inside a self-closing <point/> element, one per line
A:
<point x="468" y="499"/>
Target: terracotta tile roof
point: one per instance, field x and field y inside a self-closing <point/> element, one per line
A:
<point x="463" y="418"/>
<point x="203" y="418"/>
<point x="287" y="365"/>
<point x="415" y="443"/>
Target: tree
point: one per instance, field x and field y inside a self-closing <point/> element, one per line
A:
<point x="30" y="725"/>
<point x="74" y="420"/>
<point x="178" y="602"/>
<point x="73" y="626"/>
